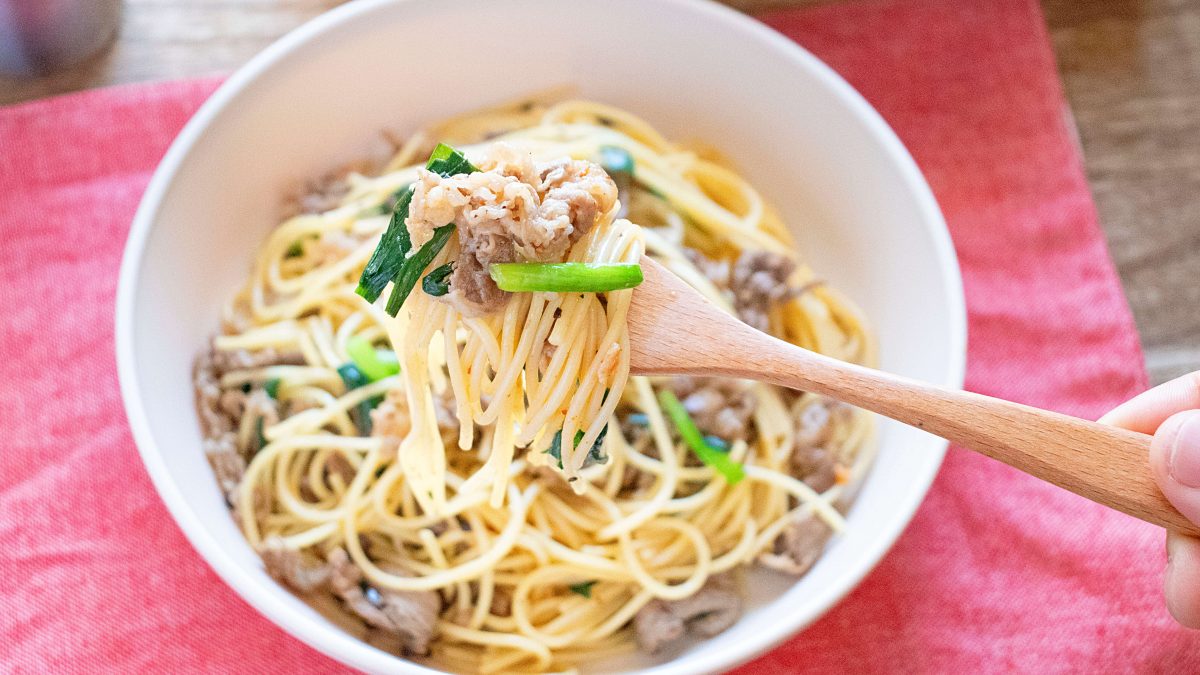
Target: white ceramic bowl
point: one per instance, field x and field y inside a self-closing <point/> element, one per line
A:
<point x="860" y="209"/>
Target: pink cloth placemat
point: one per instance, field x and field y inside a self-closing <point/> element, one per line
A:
<point x="997" y="572"/>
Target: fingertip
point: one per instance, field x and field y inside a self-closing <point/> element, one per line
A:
<point x="1148" y="410"/>
<point x="1181" y="584"/>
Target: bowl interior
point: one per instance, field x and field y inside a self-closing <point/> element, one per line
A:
<point x="860" y="211"/>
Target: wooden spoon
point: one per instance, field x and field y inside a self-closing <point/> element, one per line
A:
<point x="673" y="330"/>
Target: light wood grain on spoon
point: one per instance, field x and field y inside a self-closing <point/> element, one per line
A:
<point x="674" y="330"/>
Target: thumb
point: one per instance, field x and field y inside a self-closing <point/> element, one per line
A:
<point x="1175" y="461"/>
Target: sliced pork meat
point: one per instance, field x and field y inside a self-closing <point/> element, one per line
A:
<point x="331" y="247"/>
<point x="664" y="623"/>
<point x="472" y="291"/>
<point x="225" y="361"/>
<point x="390" y="419"/>
<point x="716" y="270"/>
<point x="720" y="407"/>
<point x="513" y="209"/>
<point x="759" y="282"/>
<point x="302" y="571"/>
<point x="813" y="460"/>
<point x="227" y="463"/>
<point x="327" y="192"/>
<point x="410" y="615"/>
<point x="815" y="466"/>
<point x="221" y="410"/>
<point x="799" y="546"/>
<point x="214" y="421"/>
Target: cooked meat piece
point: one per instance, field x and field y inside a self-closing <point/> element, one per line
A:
<point x="331" y="247"/>
<point x="225" y="361"/>
<point x="799" y="546"/>
<point x="717" y="271"/>
<point x="260" y="404"/>
<point x="472" y="291"/>
<point x="815" y="466"/>
<point x="411" y="615"/>
<point x="715" y="607"/>
<point x="261" y="503"/>
<point x="302" y="571"/>
<point x="384" y="641"/>
<point x="220" y="411"/>
<point x="759" y="281"/>
<point x="338" y="465"/>
<point x="812" y="461"/>
<point x="721" y="407"/>
<point x="227" y="463"/>
<point x="326" y="192"/>
<point x="812" y="424"/>
<point x="635" y="480"/>
<point x="318" y="196"/>
<point x="501" y="602"/>
<point x="214" y="421"/>
<point x="513" y="209"/>
<point x="390" y="418"/>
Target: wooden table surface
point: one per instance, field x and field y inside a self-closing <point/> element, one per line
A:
<point x="1130" y="68"/>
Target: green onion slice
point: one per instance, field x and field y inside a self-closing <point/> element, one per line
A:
<point x="583" y="588"/>
<point x="446" y="161"/>
<point x="371" y="362"/>
<point x="437" y="282"/>
<point x="595" y="453"/>
<point x="391" y="260"/>
<point x="719" y="461"/>
<point x="272" y="387"/>
<point x="353" y="379"/>
<point x="616" y="160"/>
<point x="570" y="277"/>
<point x="390" y="254"/>
<point x="410" y="271"/>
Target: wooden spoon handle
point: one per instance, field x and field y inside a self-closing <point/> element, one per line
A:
<point x="1105" y="464"/>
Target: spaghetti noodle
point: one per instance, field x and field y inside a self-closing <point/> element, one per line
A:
<point x="487" y="485"/>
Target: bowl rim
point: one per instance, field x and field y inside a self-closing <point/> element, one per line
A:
<point x="346" y="649"/>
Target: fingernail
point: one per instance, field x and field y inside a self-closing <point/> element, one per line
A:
<point x="1184" y="458"/>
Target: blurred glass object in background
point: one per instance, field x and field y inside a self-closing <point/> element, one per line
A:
<point x="42" y="36"/>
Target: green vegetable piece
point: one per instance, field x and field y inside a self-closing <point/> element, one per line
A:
<point x="583" y="588"/>
<point x="351" y="376"/>
<point x="296" y="249"/>
<point x="391" y="260"/>
<point x="389" y="205"/>
<point x="258" y="431"/>
<point x="410" y="271"/>
<point x="367" y="359"/>
<point x="616" y="159"/>
<point x="595" y="453"/>
<point x="446" y="161"/>
<point x="390" y="254"/>
<point x="437" y="282"/>
<point x="732" y="471"/>
<point x="717" y="443"/>
<point x="353" y="379"/>
<point x="272" y="387"/>
<point x="570" y="277"/>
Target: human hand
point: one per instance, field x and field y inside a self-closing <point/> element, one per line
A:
<point x="1171" y="412"/>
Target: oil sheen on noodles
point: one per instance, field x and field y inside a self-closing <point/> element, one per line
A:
<point x="478" y="513"/>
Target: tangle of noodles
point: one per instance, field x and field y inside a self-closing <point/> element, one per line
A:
<point x="452" y="495"/>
